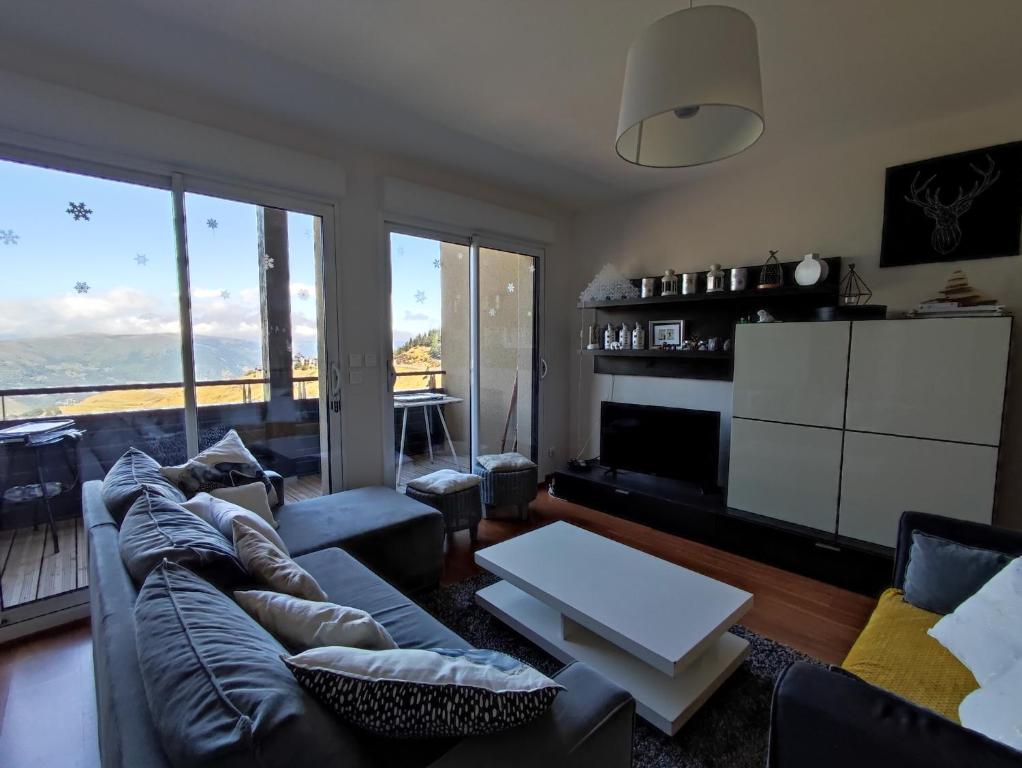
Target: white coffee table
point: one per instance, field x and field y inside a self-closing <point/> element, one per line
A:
<point x="656" y="629"/>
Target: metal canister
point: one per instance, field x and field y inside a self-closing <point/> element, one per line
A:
<point x="739" y="278"/>
<point x="689" y="282"/>
<point x="648" y="287"/>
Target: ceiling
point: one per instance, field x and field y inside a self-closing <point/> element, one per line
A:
<point x="519" y="92"/>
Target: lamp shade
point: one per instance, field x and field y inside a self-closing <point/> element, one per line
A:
<point x="692" y="91"/>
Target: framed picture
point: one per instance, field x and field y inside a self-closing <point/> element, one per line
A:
<point x="962" y="206"/>
<point x="666" y="334"/>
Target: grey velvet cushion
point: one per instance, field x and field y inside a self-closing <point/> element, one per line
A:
<point x="942" y="574"/>
<point x="156" y="529"/>
<point x="217" y="688"/>
<point x="128" y="476"/>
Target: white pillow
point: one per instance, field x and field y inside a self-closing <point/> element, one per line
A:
<point x="220" y="513"/>
<point x="251" y="496"/>
<point x="995" y="710"/>
<point x="504" y="462"/>
<point x="305" y="624"/>
<point x="268" y="565"/>
<point x="985" y="632"/>
<point x="444" y="481"/>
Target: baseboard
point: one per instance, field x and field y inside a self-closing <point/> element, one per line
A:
<point x="25" y="620"/>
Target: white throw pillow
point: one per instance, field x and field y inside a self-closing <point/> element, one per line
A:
<point x="444" y="481"/>
<point x="985" y="632"/>
<point x="995" y="710"/>
<point x="304" y="624"/>
<point x="504" y="462"/>
<point x="270" y="566"/>
<point x="251" y="496"/>
<point x="221" y="513"/>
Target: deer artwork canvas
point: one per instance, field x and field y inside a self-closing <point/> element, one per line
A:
<point x="955" y="207"/>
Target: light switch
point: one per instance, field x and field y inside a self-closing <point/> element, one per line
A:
<point x="355" y="360"/>
<point x="370" y="361"/>
<point x="355" y="377"/>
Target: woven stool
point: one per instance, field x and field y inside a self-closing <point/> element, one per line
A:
<point x="455" y="495"/>
<point x="508" y="479"/>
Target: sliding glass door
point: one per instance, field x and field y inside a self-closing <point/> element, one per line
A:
<point x="465" y="352"/>
<point x="139" y="312"/>
<point x="256" y="305"/>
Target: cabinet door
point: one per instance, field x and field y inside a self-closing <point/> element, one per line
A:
<point x="791" y="372"/>
<point x="884" y="476"/>
<point x="786" y="472"/>
<point x="941" y="378"/>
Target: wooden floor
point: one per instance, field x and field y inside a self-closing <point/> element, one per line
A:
<point x="47" y="696"/>
<point x="29" y="569"/>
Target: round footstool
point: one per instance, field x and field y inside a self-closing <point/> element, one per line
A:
<point x="455" y="495"/>
<point x="509" y="479"/>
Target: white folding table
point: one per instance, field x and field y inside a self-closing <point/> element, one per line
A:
<point x="424" y="401"/>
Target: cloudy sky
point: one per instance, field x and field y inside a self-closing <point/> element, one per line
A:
<point x="125" y="256"/>
<point x="415" y="286"/>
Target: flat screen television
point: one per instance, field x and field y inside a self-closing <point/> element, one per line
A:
<point x="679" y="443"/>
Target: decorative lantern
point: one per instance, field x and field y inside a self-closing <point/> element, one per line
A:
<point x="771" y="275"/>
<point x="853" y="291"/>
<point x="669" y="284"/>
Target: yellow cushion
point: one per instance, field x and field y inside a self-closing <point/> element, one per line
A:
<point x="895" y="653"/>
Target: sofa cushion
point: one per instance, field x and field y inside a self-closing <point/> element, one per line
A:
<point x="225" y="464"/>
<point x="220" y="513"/>
<point x="217" y="688"/>
<point x="397" y="537"/>
<point x="406" y="693"/>
<point x="347" y="582"/>
<point x="895" y="653"/>
<point x="942" y="574"/>
<point x="126" y="479"/>
<point x="156" y="529"/>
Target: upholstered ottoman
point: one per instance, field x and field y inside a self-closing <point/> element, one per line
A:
<point x="455" y="495"/>
<point x="508" y="479"/>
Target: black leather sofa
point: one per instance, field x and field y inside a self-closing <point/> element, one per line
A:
<point x="589" y="724"/>
<point x="828" y="717"/>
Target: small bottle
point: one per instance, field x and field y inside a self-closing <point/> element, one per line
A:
<point x="624" y="337"/>
<point x="638" y="336"/>
<point x="609" y="337"/>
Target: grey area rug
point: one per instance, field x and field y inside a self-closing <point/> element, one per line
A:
<point x="730" y="730"/>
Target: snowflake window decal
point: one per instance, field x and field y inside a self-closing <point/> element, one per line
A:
<point x="420" y="297"/>
<point x="225" y="294"/>
<point x="141" y="259"/>
<point x="81" y="288"/>
<point x="303" y="294"/>
<point x="510" y="287"/>
<point x="212" y="223"/>
<point x="493" y="312"/>
<point x="9" y="237"/>
<point x="267" y="262"/>
<point x="436" y="263"/>
<point x="532" y="268"/>
<point x="79" y="211"/>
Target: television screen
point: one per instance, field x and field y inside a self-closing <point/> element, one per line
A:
<point x="667" y="442"/>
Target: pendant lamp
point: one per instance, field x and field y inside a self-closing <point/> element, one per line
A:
<point x="692" y="91"/>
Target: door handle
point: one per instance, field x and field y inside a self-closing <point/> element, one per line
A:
<point x="543" y="368"/>
<point x="334" y="387"/>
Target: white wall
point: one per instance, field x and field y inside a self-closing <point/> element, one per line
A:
<point x="826" y="197"/>
<point x="241" y="148"/>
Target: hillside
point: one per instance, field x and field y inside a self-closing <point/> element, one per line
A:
<point x="420" y="358"/>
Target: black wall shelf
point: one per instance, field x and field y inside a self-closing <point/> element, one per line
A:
<point x="706" y="315"/>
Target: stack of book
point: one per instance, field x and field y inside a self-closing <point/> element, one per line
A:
<point x="959" y="299"/>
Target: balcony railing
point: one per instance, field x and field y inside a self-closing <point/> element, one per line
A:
<point x="300" y="382"/>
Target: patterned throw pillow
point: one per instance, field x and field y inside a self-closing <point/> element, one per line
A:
<point x="411" y="693"/>
<point x="226" y="464"/>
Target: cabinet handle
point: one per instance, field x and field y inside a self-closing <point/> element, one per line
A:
<point x="623" y="493"/>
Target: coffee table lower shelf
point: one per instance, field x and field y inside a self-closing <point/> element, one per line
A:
<point x="665" y="702"/>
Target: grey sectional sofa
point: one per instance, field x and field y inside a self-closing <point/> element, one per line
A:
<point x="341" y="540"/>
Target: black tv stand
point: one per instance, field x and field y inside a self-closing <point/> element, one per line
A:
<point x="686" y="510"/>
